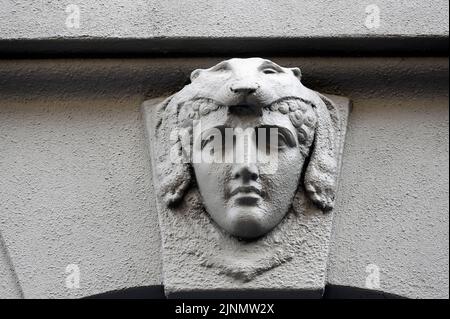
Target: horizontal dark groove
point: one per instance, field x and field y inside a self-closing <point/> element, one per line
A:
<point x="176" y="47"/>
<point x="144" y="292"/>
<point x="346" y="292"/>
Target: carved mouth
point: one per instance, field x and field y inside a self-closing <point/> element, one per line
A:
<point x="246" y="190"/>
<point x="245" y="109"/>
<point x="202" y="106"/>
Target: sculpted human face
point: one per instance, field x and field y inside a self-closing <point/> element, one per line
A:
<point x="247" y="196"/>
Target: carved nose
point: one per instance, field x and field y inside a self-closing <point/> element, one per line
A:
<point x="247" y="173"/>
<point x="244" y="87"/>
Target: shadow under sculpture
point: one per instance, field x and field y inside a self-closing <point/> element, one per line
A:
<point x="245" y="161"/>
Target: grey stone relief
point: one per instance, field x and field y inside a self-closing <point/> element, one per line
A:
<point x="246" y="161"/>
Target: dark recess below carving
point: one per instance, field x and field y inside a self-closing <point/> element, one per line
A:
<point x="242" y="47"/>
<point x="147" y="292"/>
<point x="331" y="292"/>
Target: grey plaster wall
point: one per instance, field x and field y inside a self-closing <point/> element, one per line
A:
<point x="393" y="205"/>
<point x="215" y="18"/>
<point x="9" y="285"/>
<point x="76" y="189"/>
<point x="76" y="182"/>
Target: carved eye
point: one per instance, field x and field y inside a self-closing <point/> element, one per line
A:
<point x="279" y="141"/>
<point x="282" y="141"/>
<point x="207" y="141"/>
<point x="274" y="138"/>
<point x="269" y="71"/>
<point x="213" y="141"/>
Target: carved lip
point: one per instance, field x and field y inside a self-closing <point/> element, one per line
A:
<point x="246" y="190"/>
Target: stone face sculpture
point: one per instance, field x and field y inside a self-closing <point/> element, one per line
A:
<point x="229" y="210"/>
<point x="243" y="94"/>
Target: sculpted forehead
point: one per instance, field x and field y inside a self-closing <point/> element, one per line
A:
<point x="222" y="117"/>
<point x="248" y="67"/>
<point x="245" y="64"/>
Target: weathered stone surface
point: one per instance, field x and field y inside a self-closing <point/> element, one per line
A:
<point x="202" y="250"/>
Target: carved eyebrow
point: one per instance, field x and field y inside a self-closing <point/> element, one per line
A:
<point x="206" y="134"/>
<point x="211" y="130"/>
<point x="290" y="138"/>
<point x="269" y="64"/>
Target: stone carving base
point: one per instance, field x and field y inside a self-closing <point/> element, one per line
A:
<point x="199" y="259"/>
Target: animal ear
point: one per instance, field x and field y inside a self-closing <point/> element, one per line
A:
<point x="172" y="169"/>
<point x="322" y="170"/>
<point x="195" y="74"/>
<point x="297" y="72"/>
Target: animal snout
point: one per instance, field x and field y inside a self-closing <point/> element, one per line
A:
<point x="244" y="87"/>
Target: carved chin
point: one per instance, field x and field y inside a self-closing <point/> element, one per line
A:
<point x="246" y="222"/>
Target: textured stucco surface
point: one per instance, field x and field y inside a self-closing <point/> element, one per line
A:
<point x="393" y="205"/>
<point x="9" y="287"/>
<point x="76" y="190"/>
<point x="63" y="124"/>
<point x="22" y="19"/>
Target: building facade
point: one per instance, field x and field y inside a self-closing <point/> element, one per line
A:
<point x="78" y="199"/>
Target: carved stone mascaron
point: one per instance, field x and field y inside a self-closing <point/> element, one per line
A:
<point x="245" y="161"/>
